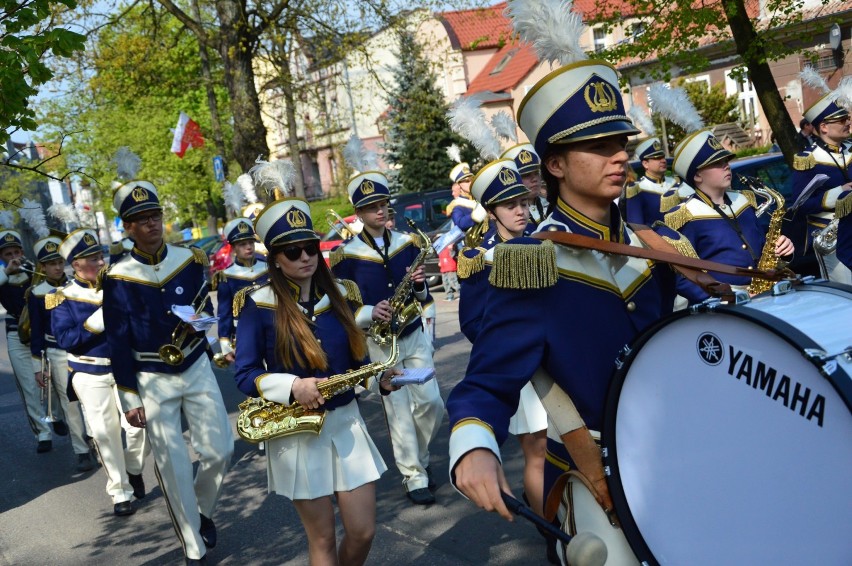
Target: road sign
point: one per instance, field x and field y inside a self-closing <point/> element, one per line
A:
<point x="219" y="168"/>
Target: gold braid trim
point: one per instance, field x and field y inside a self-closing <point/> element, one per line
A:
<point x="632" y="190"/>
<point x="353" y="293"/>
<point x="804" y="162"/>
<point x="467" y="266"/>
<point x="218" y="277"/>
<point x="200" y="257"/>
<point x="750" y="197"/>
<point x="669" y="200"/>
<point x="524" y="266"/>
<point x="683" y="246"/>
<point x="844" y="206"/>
<point x="677" y="218"/>
<point x="240" y="298"/>
<point x="336" y="256"/>
<point x="53" y="300"/>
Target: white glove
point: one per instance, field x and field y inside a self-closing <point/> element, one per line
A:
<point x="479" y="213"/>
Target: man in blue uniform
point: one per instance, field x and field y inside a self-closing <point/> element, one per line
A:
<point x="642" y="199"/>
<point x="377" y="260"/>
<point x="831" y="154"/>
<point x="529" y="166"/>
<point x="462" y="209"/>
<point x="246" y="270"/>
<point x="155" y="389"/>
<point x="78" y="321"/>
<point x="43" y="346"/>
<point x="14" y="282"/>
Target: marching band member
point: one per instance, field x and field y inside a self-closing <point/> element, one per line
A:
<point x="294" y="331"/>
<point x="377" y="260"/>
<point x="719" y="223"/>
<point x="844" y="229"/>
<point x="77" y="320"/>
<point x="245" y="271"/>
<point x="43" y="343"/>
<point x="463" y="209"/>
<point x="14" y="282"/>
<point x="831" y="154"/>
<point x="529" y="165"/>
<point x="156" y="390"/>
<point x="540" y="291"/>
<point x="498" y="187"/>
<point x="642" y="199"/>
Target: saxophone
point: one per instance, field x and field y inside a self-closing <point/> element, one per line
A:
<point x="403" y="312"/>
<point x="260" y="419"/>
<point x="768" y="258"/>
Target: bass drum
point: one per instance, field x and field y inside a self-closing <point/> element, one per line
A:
<point x="729" y="441"/>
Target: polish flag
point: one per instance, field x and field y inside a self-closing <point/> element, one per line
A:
<point x="186" y="135"/>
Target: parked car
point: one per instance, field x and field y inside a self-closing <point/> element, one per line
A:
<point x="427" y="209"/>
<point x="209" y="245"/>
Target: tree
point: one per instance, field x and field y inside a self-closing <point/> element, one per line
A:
<point x="713" y="105"/>
<point x="685" y="35"/>
<point x="28" y="34"/>
<point x="418" y="132"/>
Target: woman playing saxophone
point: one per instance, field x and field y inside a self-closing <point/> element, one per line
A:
<point x="292" y="333"/>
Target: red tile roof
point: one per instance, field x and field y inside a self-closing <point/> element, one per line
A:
<point x="479" y="28"/>
<point x="522" y="61"/>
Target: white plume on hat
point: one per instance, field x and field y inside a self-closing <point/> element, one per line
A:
<point x="454" y="153"/>
<point x="468" y="120"/>
<point x="505" y="126"/>
<point x="233" y="196"/>
<point x="247" y="186"/>
<point x="642" y="120"/>
<point x="127" y="163"/>
<point x="272" y="175"/>
<point x="7" y="219"/>
<point x="33" y="214"/>
<point x="551" y="27"/>
<point x="65" y="213"/>
<point x="356" y="155"/>
<point x="844" y="91"/>
<point x="674" y="104"/>
<point x="813" y="79"/>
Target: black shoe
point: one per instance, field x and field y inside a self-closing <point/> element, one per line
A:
<point x="84" y="462"/>
<point x="138" y="485"/>
<point x="60" y="428"/>
<point x="44" y="446"/>
<point x="421" y="496"/>
<point x="208" y="533"/>
<point x="432" y="484"/>
<point x="123" y="509"/>
<point x="196" y="561"/>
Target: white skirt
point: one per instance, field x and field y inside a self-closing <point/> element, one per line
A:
<point x="530" y="416"/>
<point x="340" y="458"/>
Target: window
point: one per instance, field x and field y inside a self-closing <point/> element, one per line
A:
<point x="439" y="205"/>
<point x="503" y="62"/>
<point x="637" y="29"/>
<point x="600" y="39"/>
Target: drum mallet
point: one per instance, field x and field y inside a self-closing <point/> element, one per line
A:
<point x="583" y="549"/>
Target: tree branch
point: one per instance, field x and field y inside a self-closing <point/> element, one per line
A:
<point x="190" y="23"/>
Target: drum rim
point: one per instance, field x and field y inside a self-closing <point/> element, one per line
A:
<point x="780" y="328"/>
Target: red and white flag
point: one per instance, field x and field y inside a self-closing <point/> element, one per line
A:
<point x="186" y="135"/>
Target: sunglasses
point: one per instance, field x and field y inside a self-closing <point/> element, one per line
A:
<point x="293" y="253"/>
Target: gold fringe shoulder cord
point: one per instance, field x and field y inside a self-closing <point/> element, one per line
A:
<point x="53" y="300"/>
<point x="353" y="293"/>
<point x="677" y="218"/>
<point x="804" y="162"/>
<point x="844" y="206"/>
<point x="524" y="266"/>
<point x="467" y="266"/>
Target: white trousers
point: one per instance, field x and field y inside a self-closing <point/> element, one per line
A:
<point x="99" y="396"/>
<point x="414" y="412"/>
<point x="196" y="394"/>
<point x="22" y="365"/>
<point x="70" y="409"/>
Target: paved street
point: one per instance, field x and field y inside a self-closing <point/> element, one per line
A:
<point x="51" y="514"/>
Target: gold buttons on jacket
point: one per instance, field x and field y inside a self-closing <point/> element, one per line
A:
<point x="631" y="306"/>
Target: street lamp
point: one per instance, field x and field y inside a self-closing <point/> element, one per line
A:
<point x="836" y="42"/>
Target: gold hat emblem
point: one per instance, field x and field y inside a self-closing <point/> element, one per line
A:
<point x="367" y="187"/>
<point x="139" y="194"/>
<point x="296" y="218"/>
<point x="525" y="157"/>
<point x="242" y="228"/>
<point x="507" y="177"/>
<point x="714" y="143"/>
<point x="600" y="96"/>
<point x="657" y="146"/>
<point x="10" y="238"/>
<point x="88" y="239"/>
<point x="50" y="247"/>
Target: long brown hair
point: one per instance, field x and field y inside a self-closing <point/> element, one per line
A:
<point x="293" y="335"/>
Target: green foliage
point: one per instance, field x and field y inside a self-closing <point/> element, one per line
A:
<point x="713" y="104"/>
<point x="418" y="133"/>
<point x="339" y="204"/>
<point x="27" y="36"/>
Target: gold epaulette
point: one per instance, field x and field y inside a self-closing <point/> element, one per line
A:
<point x="102" y="274"/>
<point x="804" y="162"/>
<point x="524" y="266"/>
<point x="683" y="246"/>
<point x="632" y="190"/>
<point x="336" y="256"/>
<point x="669" y="200"/>
<point x="240" y="298"/>
<point x="750" y="197"/>
<point x="218" y="277"/>
<point x="116" y="248"/>
<point x="844" y="206"/>
<point x="353" y="293"/>
<point x="53" y="300"/>
<point x="200" y="257"/>
<point x="677" y="218"/>
<point x="467" y="266"/>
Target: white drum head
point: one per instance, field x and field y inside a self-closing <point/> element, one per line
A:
<point x="727" y="446"/>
